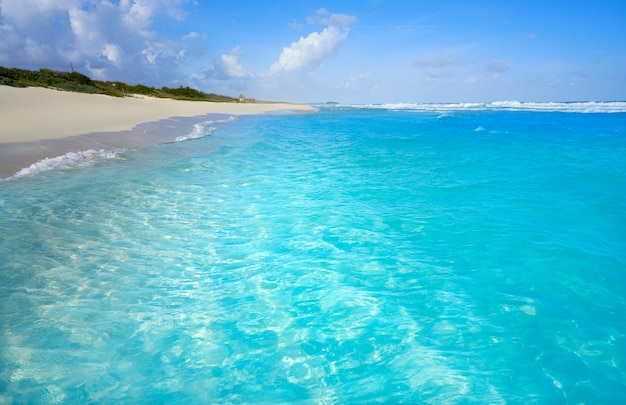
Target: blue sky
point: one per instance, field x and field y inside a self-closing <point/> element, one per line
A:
<point x="366" y="51"/>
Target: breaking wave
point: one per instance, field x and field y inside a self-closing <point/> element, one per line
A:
<point x="70" y="160"/>
<point x="572" y="107"/>
<point x="202" y="129"/>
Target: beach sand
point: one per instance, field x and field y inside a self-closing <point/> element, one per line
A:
<point x="39" y="123"/>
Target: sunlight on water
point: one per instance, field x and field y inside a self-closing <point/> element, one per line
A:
<point x="350" y="256"/>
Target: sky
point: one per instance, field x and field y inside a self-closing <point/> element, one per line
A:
<point x="349" y="51"/>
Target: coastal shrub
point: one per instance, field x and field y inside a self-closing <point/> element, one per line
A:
<point x="21" y="75"/>
<point x="10" y="73"/>
<point x="7" y="81"/>
<point x="220" y="98"/>
<point x="46" y="77"/>
<point x="193" y="94"/>
<point x="80" y="79"/>
<point x="110" y="88"/>
<point x="76" y="87"/>
<point x="4" y="72"/>
<point x="116" y="89"/>
<point x="141" y="89"/>
<point x="186" y="92"/>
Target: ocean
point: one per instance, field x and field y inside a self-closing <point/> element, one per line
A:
<point x="456" y="254"/>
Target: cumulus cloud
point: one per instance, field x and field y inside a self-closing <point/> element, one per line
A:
<point x="139" y="14"/>
<point x="310" y="51"/>
<point x="113" y="53"/>
<point x="228" y="67"/>
<point x="106" y="38"/>
<point x="26" y="36"/>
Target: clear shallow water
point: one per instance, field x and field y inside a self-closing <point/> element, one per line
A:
<point x="350" y="256"/>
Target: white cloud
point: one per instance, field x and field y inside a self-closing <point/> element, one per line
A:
<point x="33" y="29"/>
<point x="228" y="66"/>
<point x="28" y="11"/>
<point x="231" y="64"/>
<point x="310" y="51"/>
<point x="140" y="13"/>
<point x="113" y="53"/>
<point x="98" y="74"/>
<point x="110" y="39"/>
<point x="87" y="26"/>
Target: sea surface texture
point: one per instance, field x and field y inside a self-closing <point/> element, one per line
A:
<point x="361" y="254"/>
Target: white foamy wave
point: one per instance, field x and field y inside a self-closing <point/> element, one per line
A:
<point x="203" y="129"/>
<point x="574" y="107"/>
<point x="70" y="160"/>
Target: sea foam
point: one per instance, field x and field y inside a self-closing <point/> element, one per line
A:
<point x="202" y="129"/>
<point x="70" y="160"/>
<point x="511" y="105"/>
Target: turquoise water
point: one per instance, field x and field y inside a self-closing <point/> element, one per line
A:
<point x="355" y="255"/>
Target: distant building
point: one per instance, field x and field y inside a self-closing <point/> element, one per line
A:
<point x="242" y="98"/>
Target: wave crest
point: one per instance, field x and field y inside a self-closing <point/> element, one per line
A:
<point x="510" y="105"/>
<point x="202" y="129"/>
<point x="70" y="160"/>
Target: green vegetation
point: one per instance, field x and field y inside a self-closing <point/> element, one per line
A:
<point x="187" y="93"/>
<point x="78" y="82"/>
<point x="7" y="81"/>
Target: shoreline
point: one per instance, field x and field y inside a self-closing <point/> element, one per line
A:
<point x="40" y="123"/>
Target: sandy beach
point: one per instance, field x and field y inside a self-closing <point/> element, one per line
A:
<point x="33" y="117"/>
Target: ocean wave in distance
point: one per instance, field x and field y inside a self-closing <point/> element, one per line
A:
<point x="573" y="107"/>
